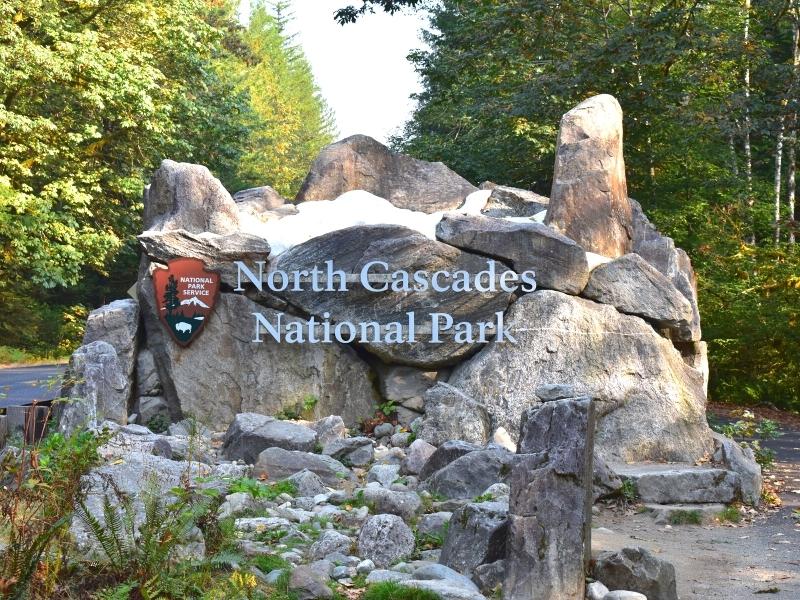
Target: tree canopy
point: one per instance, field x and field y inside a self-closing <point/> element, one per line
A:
<point x="93" y="95"/>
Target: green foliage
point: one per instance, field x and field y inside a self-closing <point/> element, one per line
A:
<point x="93" y="95"/>
<point x="270" y="562"/>
<point x="730" y="514"/>
<point x="387" y="408"/>
<point x="389" y="590"/>
<point x="41" y="484"/>
<point x="685" y="517"/>
<point x="263" y="491"/>
<point x="483" y="498"/>
<point x="628" y="490"/>
<point x="756" y="431"/>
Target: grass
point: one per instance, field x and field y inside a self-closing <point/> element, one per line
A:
<point x="10" y="356"/>
<point x="270" y="562"/>
<point x="389" y="590"/>
<point x="628" y="490"/>
<point x="263" y="491"/>
<point x="685" y="517"/>
<point x="731" y="514"/>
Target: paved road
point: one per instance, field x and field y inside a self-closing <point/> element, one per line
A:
<point x="23" y="385"/>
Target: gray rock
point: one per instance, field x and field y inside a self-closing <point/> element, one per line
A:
<point x="383" y="474"/>
<point x="558" y="262"/>
<point x="152" y="407"/>
<point x="444" y="589"/>
<point x="444" y="455"/>
<point x="365" y="567"/>
<point x="403" y="504"/>
<point x="381" y="575"/>
<point x="596" y="591"/>
<point x="681" y="483"/>
<point x="445" y="407"/>
<point x="417" y="454"/>
<point x="197" y="379"/>
<point x="95" y="389"/>
<point x="605" y="482"/>
<point x="309" y="583"/>
<point x="589" y="197"/>
<point x="330" y="429"/>
<point x="549" y="532"/>
<point x="633" y="287"/>
<point x="277" y="463"/>
<point x="383" y="430"/>
<point x="434" y="523"/>
<point x="147" y="381"/>
<point x="490" y="577"/>
<point x="444" y="573"/>
<point x="308" y="484"/>
<point x="637" y="570"/>
<point x="218" y="252"/>
<point x="400" y="248"/>
<point x="672" y="514"/>
<point x="362" y="163"/>
<point x="117" y="323"/>
<point x="624" y="595"/>
<point x="401" y="439"/>
<point x="674" y="263"/>
<point x="507" y="201"/>
<point x="742" y="462"/>
<point x="385" y="539"/>
<point x="258" y="199"/>
<point x="236" y="504"/>
<point x="404" y="385"/>
<point x="329" y="542"/>
<point x="469" y="475"/>
<point x="476" y="535"/>
<point x="557" y="391"/>
<point x="356" y="451"/>
<point x="651" y="405"/>
<point x="187" y="196"/>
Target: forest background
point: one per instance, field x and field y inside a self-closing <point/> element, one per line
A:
<point x="94" y="93"/>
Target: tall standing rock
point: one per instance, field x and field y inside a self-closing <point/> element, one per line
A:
<point x="362" y="163"/>
<point x="118" y="324"/>
<point x="589" y="198"/>
<point x="549" y="538"/>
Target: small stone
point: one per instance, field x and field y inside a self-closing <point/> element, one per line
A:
<point x="385" y="475"/>
<point x="418" y="453"/>
<point x="400" y="440"/>
<point x="624" y="595"/>
<point x="365" y="567"/>
<point x="383" y="430"/>
<point x="381" y="575"/>
<point x="596" y="591"/>
<point x="636" y="569"/>
<point x="309" y="584"/>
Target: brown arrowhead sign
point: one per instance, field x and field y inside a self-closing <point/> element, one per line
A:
<point x="185" y="296"/>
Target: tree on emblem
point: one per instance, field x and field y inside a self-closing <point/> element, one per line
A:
<point x="171" y="300"/>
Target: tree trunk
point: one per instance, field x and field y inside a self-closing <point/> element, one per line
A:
<point x="791" y="185"/>
<point x="778" y="172"/>
<point x="748" y="152"/>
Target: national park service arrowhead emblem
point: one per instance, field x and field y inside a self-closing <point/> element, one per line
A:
<point x="185" y="296"/>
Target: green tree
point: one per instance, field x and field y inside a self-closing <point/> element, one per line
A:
<point x="290" y="121"/>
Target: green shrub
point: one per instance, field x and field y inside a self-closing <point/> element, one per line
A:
<point x="389" y="590"/>
<point x="685" y="517"/>
<point x="730" y="514"/>
<point x="263" y="491"/>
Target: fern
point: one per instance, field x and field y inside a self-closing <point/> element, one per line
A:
<point x="118" y="592"/>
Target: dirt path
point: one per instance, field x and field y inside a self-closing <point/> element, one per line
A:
<point x="759" y="559"/>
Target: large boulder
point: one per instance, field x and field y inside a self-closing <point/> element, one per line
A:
<point x="362" y="163"/>
<point x="96" y="388"/>
<point x="558" y="262"/>
<point x="187" y="196"/>
<point x="224" y="373"/>
<point x="636" y="569"/>
<point x="650" y="404"/>
<point x="258" y="199"/>
<point x="402" y="250"/>
<point x="218" y="252"/>
<point x="743" y="462"/>
<point x="118" y="324"/>
<point x="476" y="536"/>
<point x="633" y="287"/>
<point x="549" y="532"/>
<point x="445" y="407"/>
<point x="589" y="198"/>
<point x="250" y="433"/>
<point x="469" y="475"/>
<point x="672" y="262"/>
<point x="277" y="463"/>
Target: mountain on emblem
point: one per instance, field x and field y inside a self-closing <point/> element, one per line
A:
<point x="185" y="296"/>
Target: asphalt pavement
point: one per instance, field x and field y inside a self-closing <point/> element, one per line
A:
<point x="24" y="385"/>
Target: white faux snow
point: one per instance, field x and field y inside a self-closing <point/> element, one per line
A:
<point x="595" y="260"/>
<point x="357" y="207"/>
